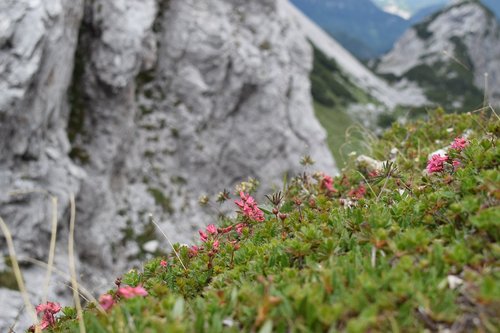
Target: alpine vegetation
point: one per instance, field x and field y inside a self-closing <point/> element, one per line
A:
<point x="406" y="240"/>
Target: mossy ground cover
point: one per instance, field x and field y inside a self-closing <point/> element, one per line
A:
<point x="390" y="250"/>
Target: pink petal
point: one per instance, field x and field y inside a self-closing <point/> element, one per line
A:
<point x="106" y="301"/>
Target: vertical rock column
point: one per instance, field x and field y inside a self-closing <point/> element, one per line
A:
<point x="37" y="44"/>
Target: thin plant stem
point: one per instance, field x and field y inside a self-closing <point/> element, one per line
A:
<point x="367" y="183"/>
<point x="485" y="98"/>
<point x="19" y="312"/>
<point x="17" y="272"/>
<point x="374" y="256"/>
<point x="168" y="240"/>
<point x="480" y="109"/>
<point x="383" y="188"/>
<point x="72" y="266"/>
<point x="52" y="249"/>
<point x="84" y="292"/>
<point x="53" y="237"/>
<point x="493" y="110"/>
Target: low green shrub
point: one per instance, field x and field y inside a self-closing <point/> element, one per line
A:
<point x="395" y="248"/>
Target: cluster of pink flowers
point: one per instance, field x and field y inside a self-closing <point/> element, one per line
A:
<point x="459" y="143"/>
<point x="248" y="207"/>
<point x="436" y="163"/>
<point x="48" y="311"/>
<point x="130" y="292"/>
<point x="211" y="230"/>
<point x="211" y="233"/>
<point x="107" y="301"/>
<point x="327" y="183"/>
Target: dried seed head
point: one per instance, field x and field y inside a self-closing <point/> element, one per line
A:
<point x="203" y="200"/>
<point x="306" y="160"/>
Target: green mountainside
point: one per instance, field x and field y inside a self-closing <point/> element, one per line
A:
<point x="333" y="91"/>
<point x="407" y="245"/>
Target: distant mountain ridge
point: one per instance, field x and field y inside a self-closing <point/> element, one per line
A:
<point x="448" y="55"/>
<point x="345" y="92"/>
<point x="366" y="30"/>
<point x="361" y="27"/>
<point x="411" y="7"/>
<point x="358" y="72"/>
<point x="414" y="6"/>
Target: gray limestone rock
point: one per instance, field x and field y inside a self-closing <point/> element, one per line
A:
<point x="168" y="100"/>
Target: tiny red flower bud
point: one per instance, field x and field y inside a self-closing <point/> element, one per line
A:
<point x="226" y="230"/>
<point x="203" y="235"/>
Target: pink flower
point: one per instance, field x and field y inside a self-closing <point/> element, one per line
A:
<point x="358" y="192"/>
<point x="327" y="182"/>
<point x="203" y="236"/>
<point x="456" y="164"/>
<point x="239" y="228"/>
<point x="216" y="244"/>
<point x="130" y="292"/>
<point x="193" y="250"/>
<point x="211" y="229"/>
<point x="459" y="143"/>
<point x="436" y="163"/>
<point x="106" y="301"/>
<point x="248" y="207"/>
<point x="48" y="309"/>
<point x="163" y="263"/>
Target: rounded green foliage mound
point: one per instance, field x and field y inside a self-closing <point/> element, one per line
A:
<point x="376" y="249"/>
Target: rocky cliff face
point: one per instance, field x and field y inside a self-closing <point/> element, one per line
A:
<point x="139" y="107"/>
<point x="450" y="52"/>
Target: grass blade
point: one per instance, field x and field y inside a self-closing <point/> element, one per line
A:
<point x="72" y="266"/>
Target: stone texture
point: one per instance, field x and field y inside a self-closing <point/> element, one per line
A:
<point x="37" y="45"/>
<point x="168" y="100"/>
